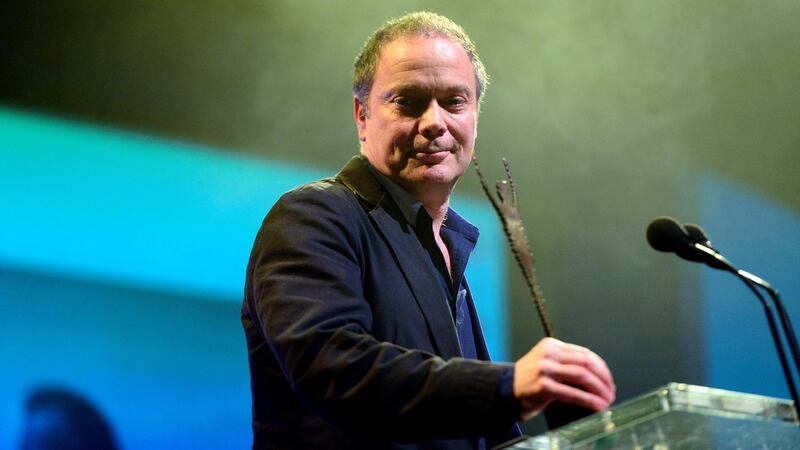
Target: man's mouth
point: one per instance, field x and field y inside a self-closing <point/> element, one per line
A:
<point x="431" y="156"/>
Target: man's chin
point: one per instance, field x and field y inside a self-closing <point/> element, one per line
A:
<point x="434" y="175"/>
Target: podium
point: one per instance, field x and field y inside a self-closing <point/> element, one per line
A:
<point x="680" y="416"/>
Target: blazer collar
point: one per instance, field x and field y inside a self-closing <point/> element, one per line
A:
<point x="358" y="178"/>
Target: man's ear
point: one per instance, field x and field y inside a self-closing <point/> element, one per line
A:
<point x="360" y="116"/>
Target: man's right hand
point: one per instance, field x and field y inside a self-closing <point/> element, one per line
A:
<point x="557" y="371"/>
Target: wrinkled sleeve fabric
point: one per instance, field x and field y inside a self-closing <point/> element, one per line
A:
<point x="307" y="271"/>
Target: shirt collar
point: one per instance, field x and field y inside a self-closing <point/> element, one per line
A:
<point x="410" y="206"/>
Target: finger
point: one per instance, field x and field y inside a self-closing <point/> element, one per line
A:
<point x="564" y="393"/>
<point x="576" y="355"/>
<point x="557" y="352"/>
<point x="595" y="364"/>
<point x="580" y="377"/>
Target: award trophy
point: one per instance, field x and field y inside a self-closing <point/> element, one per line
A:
<point x="507" y="208"/>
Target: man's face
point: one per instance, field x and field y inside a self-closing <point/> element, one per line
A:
<point x="420" y="127"/>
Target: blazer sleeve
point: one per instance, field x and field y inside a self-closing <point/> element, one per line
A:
<point x="307" y="297"/>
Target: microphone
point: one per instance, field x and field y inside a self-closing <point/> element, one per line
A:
<point x="665" y="234"/>
<point x="697" y="235"/>
<point x="690" y="242"/>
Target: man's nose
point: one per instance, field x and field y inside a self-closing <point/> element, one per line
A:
<point x="431" y="123"/>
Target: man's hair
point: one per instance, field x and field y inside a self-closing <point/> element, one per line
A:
<point x="422" y="23"/>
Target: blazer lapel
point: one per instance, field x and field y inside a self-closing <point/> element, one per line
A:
<point x="410" y="257"/>
<point x="414" y="265"/>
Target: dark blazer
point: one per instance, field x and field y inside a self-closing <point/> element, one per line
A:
<point x="350" y="343"/>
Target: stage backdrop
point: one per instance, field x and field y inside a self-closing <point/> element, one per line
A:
<point x="610" y="112"/>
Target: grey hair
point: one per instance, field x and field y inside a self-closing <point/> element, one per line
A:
<point x="423" y="23"/>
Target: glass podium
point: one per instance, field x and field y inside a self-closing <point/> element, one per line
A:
<point x="680" y="416"/>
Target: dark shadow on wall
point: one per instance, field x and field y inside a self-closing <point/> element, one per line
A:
<point x="59" y="418"/>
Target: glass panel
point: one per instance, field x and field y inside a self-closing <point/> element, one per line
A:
<point x="681" y="416"/>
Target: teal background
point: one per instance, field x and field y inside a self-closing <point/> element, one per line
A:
<point x="164" y="120"/>
<point x="122" y="262"/>
<point x="759" y="236"/>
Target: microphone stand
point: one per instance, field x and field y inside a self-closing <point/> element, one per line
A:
<point x="786" y="324"/>
<point x="749" y="280"/>
<point x="698" y="236"/>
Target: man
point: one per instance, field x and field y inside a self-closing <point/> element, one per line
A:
<point x="361" y="329"/>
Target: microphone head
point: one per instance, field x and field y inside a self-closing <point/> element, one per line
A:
<point x="697" y="234"/>
<point x="665" y="234"/>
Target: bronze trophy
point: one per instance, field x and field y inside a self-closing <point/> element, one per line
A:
<point x="507" y="208"/>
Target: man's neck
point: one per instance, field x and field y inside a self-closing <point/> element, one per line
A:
<point x="434" y="197"/>
<point x="438" y="213"/>
<point x="435" y="201"/>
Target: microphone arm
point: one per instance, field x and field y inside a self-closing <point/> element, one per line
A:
<point x="750" y="280"/>
<point x="786" y="324"/>
<point x="698" y="236"/>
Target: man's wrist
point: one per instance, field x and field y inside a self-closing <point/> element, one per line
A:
<point x="505" y="393"/>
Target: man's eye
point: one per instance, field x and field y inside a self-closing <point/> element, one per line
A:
<point x="455" y="102"/>
<point x="403" y="102"/>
